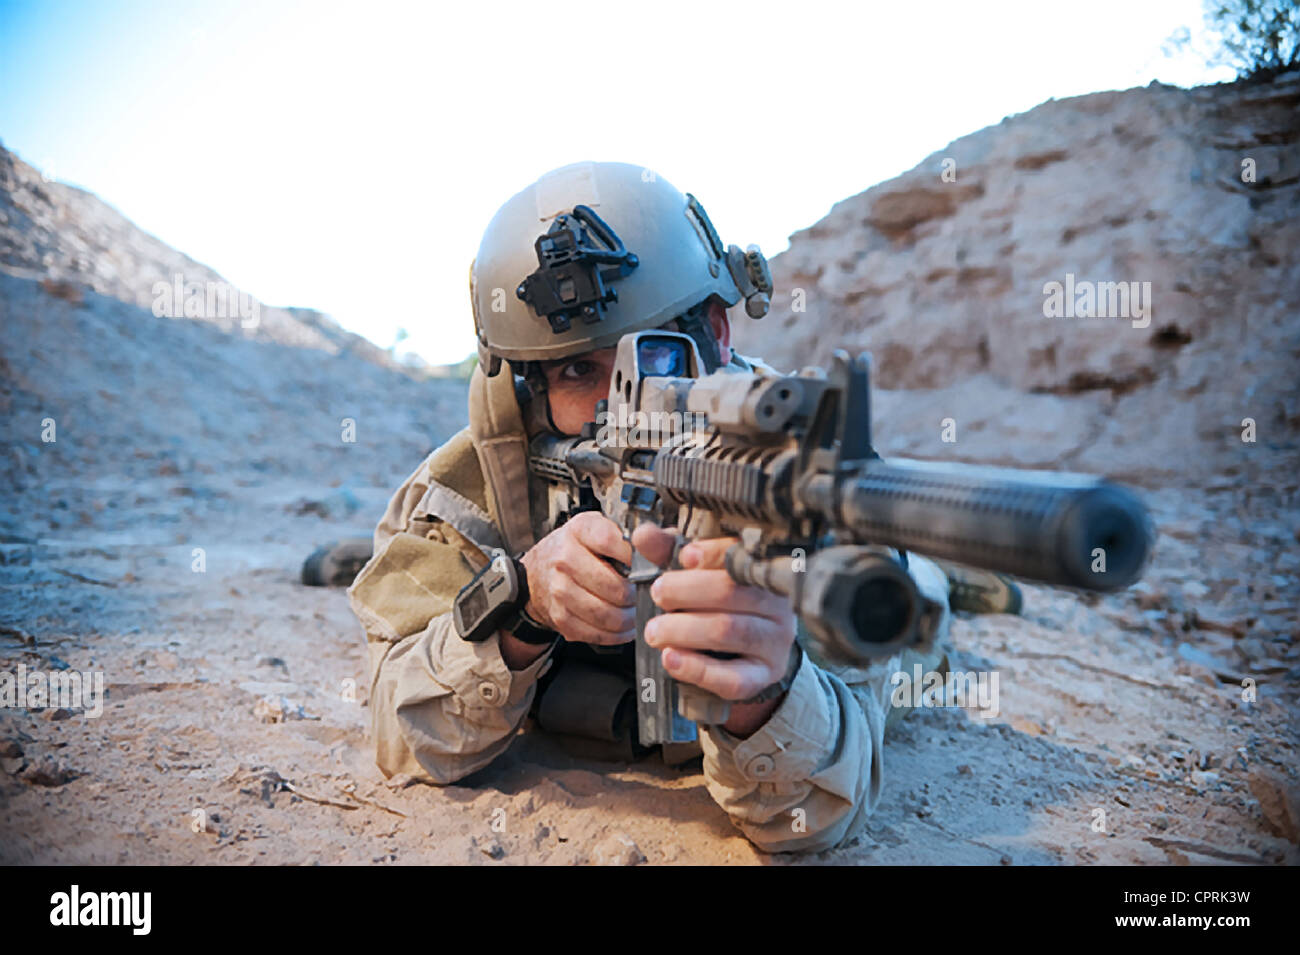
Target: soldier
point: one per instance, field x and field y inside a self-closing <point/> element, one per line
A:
<point x="797" y="767"/>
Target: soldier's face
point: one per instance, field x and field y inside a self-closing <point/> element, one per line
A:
<point x="574" y="385"/>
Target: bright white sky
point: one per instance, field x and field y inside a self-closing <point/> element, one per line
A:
<point x="347" y="157"/>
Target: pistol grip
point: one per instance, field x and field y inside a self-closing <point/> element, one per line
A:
<point x="667" y="711"/>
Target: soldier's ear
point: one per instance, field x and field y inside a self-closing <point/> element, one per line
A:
<point x="721" y="326"/>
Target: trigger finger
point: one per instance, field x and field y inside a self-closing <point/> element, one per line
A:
<point x="654" y="543"/>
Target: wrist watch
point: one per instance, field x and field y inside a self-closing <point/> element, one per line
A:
<point x="495" y="600"/>
<point x="774" y="690"/>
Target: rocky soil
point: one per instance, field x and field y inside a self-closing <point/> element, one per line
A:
<point x="195" y="463"/>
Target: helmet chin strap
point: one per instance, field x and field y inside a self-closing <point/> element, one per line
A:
<point x="530" y="390"/>
<point x="695" y="323"/>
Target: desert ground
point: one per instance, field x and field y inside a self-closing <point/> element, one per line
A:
<point x="166" y="477"/>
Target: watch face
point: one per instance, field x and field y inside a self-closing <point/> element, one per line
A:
<point x="473" y="605"/>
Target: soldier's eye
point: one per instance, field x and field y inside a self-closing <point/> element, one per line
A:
<point x="577" y="370"/>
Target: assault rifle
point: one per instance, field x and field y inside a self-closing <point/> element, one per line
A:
<point x="785" y="463"/>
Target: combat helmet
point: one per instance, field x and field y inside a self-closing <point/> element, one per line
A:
<point x="594" y="250"/>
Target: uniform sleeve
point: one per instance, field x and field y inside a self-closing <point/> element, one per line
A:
<point x="808" y="778"/>
<point x="441" y="707"/>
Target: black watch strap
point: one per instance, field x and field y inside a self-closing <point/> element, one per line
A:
<point x="520" y="625"/>
<point x="495" y="600"/>
<point x="528" y="630"/>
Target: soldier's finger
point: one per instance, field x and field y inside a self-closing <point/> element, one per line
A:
<point x="595" y="575"/>
<point x="706" y="553"/>
<point x="654" y="543"/>
<point x="602" y="536"/>
<point x="714" y="590"/>
<point x="736" y="679"/>
<point x="758" y="638"/>
<point x="591" y="608"/>
<point x="578" y="631"/>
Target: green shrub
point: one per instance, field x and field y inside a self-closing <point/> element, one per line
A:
<point x="1257" y="38"/>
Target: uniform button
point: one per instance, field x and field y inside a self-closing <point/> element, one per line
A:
<point x="489" y="692"/>
<point x="760" y="766"/>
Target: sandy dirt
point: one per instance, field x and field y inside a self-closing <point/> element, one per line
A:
<point x="158" y="540"/>
<point x="1099" y="711"/>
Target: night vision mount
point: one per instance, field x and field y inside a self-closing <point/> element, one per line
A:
<point x="573" y="272"/>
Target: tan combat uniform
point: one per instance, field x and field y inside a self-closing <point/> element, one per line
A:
<point x="442" y="707"/>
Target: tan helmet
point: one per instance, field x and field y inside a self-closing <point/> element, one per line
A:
<point x="592" y="251"/>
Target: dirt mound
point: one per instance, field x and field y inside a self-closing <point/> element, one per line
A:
<point x="942" y="274"/>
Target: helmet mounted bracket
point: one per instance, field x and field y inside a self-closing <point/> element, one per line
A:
<point x="573" y="271"/>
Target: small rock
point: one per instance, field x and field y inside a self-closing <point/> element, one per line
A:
<point x="47" y="771"/>
<point x="265" y="661"/>
<point x="278" y="709"/>
<point x="9" y="749"/>
<point x="337" y="505"/>
<point x="1161" y="822"/>
<point x="617" y="849"/>
<point x="12" y="764"/>
<point x="1280" y="802"/>
<point x="1218" y="622"/>
<point x="1204" y="780"/>
<point x="965" y="770"/>
<point x="493" y="849"/>
<point x="53" y="714"/>
<point x="400" y="781"/>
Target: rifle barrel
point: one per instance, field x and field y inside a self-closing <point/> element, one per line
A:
<point x="1062" y="529"/>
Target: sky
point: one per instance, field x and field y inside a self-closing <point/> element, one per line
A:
<point x="347" y="156"/>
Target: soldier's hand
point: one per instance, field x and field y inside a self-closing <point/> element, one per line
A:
<point x="706" y="610"/>
<point x="572" y="589"/>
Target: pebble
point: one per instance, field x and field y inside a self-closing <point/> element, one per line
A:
<point x="47" y="771"/>
<point x="277" y="709"/>
<point x="617" y="849"/>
